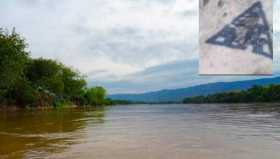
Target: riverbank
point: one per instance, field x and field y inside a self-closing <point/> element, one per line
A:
<point x="35" y="82"/>
<point x="17" y="108"/>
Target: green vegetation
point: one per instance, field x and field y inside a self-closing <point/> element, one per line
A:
<point x="255" y="94"/>
<point x="95" y="96"/>
<point x="40" y="82"/>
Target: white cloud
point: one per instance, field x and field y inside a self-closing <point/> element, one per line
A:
<point x="119" y="36"/>
<point x="125" y="45"/>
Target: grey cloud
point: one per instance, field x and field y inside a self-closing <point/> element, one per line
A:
<point x="50" y="4"/>
<point x="75" y="30"/>
<point x="177" y="74"/>
<point x="153" y="2"/>
<point x="134" y="46"/>
<point x="188" y="13"/>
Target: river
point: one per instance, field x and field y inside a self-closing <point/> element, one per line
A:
<point x="224" y="131"/>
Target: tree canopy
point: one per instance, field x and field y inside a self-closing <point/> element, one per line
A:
<point x="40" y="82"/>
<point x="255" y="94"/>
<point x="13" y="58"/>
<point x="95" y="96"/>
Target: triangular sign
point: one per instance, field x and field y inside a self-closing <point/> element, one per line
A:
<point x="248" y="29"/>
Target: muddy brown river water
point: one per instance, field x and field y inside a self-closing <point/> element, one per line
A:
<point x="233" y="131"/>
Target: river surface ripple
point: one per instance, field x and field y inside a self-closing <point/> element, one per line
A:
<point x="175" y="131"/>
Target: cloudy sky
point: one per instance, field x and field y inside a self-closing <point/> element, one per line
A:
<point x="124" y="45"/>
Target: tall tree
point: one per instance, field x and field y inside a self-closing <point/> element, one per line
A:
<point x="13" y="57"/>
<point x="74" y="83"/>
<point x="46" y="74"/>
<point x="95" y="96"/>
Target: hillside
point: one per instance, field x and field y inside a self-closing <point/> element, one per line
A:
<point x="177" y="95"/>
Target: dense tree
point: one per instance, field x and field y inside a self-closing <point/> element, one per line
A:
<point x="45" y="74"/>
<point x="40" y="82"/>
<point x="95" y="96"/>
<point x="13" y="57"/>
<point x="49" y="75"/>
<point x="74" y="83"/>
<point x="22" y="94"/>
<point x="269" y="93"/>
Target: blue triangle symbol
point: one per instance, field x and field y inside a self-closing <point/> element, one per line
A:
<point x="248" y="29"/>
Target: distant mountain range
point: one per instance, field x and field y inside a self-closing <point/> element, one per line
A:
<point x="177" y="95"/>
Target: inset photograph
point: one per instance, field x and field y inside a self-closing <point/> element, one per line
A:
<point x="235" y="37"/>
